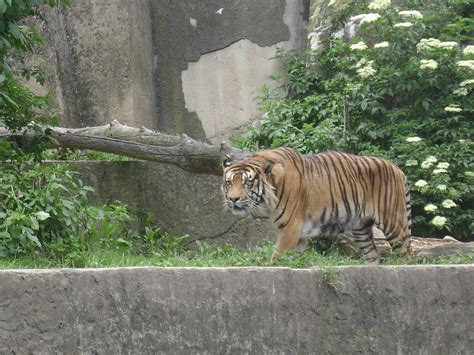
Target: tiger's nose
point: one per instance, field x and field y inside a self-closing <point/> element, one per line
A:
<point x="234" y="199"/>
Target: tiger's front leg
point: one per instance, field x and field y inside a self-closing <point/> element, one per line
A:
<point x="288" y="238"/>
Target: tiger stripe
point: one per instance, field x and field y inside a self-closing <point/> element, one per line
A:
<point x="322" y="194"/>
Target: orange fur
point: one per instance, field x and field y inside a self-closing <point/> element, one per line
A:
<point x="323" y="194"/>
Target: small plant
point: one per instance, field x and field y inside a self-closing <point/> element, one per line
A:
<point x="330" y="277"/>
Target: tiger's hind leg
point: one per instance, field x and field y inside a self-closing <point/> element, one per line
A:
<point x="400" y="242"/>
<point x="363" y="236"/>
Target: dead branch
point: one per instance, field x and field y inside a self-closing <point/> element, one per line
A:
<point x="141" y="143"/>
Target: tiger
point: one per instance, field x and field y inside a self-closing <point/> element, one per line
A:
<point x="320" y="195"/>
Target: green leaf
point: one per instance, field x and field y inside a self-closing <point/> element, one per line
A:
<point x="68" y="204"/>
<point x="15" y="30"/>
<point x="34" y="223"/>
<point x="3" y="7"/>
<point x="42" y="215"/>
<point x="9" y="100"/>
<point x="34" y="239"/>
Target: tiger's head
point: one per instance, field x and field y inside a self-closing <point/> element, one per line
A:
<point x="248" y="185"/>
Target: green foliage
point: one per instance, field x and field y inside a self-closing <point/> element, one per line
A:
<point x="41" y="207"/>
<point x="401" y="78"/>
<point x="44" y="211"/>
<point x="19" y="107"/>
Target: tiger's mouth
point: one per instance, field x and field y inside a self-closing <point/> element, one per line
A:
<point x="239" y="210"/>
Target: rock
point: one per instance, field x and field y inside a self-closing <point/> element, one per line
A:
<point x="456" y="248"/>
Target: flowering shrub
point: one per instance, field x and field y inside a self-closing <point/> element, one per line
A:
<point x="401" y="88"/>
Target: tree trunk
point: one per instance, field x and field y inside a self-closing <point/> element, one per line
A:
<point x="142" y="143"/>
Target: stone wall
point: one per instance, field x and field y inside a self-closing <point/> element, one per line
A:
<point x="177" y="66"/>
<point x="364" y="310"/>
<point x="182" y="203"/>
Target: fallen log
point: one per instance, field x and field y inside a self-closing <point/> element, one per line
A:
<point x="142" y="143"/>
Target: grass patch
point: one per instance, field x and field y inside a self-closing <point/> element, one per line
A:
<point x="210" y="256"/>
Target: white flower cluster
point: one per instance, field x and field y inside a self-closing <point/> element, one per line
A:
<point x="453" y="108"/>
<point x="431" y="44"/>
<point x="379" y="4"/>
<point x="358" y="46"/>
<point x="384" y="44"/>
<point x="428" y="64"/>
<point x="469" y="50"/>
<point x="414" y="139"/>
<point x="469" y="64"/>
<point x="441" y="187"/>
<point x="366" y="71"/>
<point x="429" y="161"/>
<point x="413" y="13"/>
<point x="421" y="183"/>
<point x="448" y="203"/>
<point x="411" y="162"/>
<point x="365" y="68"/>
<point x="439" y="221"/>
<point x="443" y="165"/>
<point x="439" y="171"/>
<point x="460" y="92"/>
<point x="366" y="18"/>
<point x="403" y="24"/>
<point x="430" y="208"/>
<point x="428" y="44"/>
<point x="468" y="82"/>
<point x="449" y="44"/>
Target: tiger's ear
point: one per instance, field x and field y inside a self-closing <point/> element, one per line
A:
<point x="268" y="166"/>
<point x="227" y="161"/>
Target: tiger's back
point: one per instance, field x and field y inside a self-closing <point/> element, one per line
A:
<point x="332" y="193"/>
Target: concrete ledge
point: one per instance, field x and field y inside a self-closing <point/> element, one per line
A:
<point x="382" y="310"/>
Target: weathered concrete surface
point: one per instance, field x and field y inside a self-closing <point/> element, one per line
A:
<point x="376" y="310"/>
<point x="100" y="60"/>
<point x="221" y="86"/>
<point x="183" y="203"/>
<point x="125" y="60"/>
<point x="183" y="31"/>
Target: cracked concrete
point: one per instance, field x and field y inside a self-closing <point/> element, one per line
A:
<point x="425" y="309"/>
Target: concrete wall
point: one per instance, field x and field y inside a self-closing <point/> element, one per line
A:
<point x="183" y="203"/>
<point x="374" y="310"/>
<point x="176" y="66"/>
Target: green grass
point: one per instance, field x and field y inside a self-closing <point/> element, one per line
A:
<point x="209" y="256"/>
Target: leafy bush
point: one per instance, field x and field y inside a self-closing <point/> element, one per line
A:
<point x="19" y="107"/>
<point x="44" y="211"/>
<point x="42" y="207"/>
<point x="401" y="88"/>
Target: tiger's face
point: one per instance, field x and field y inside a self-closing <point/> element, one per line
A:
<point x="245" y="188"/>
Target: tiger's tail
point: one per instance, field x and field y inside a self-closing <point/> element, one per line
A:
<point x="409" y="250"/>
<point x="408" y="207"/>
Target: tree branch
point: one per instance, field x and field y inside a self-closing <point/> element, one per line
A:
<point x="142" y="143"/>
